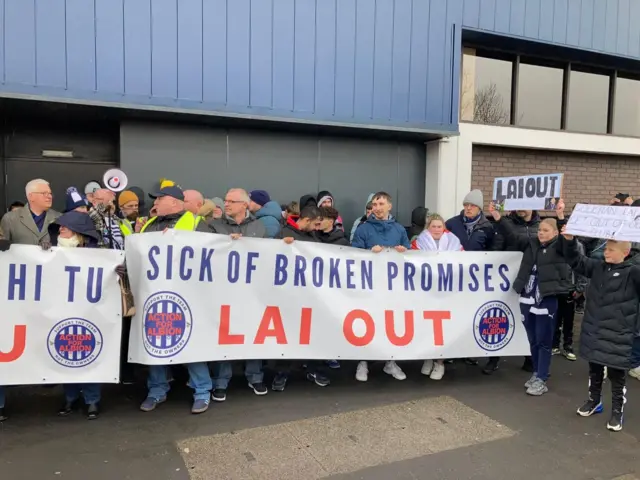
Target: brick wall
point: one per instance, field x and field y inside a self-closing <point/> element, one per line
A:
<point x="587" y="178"/>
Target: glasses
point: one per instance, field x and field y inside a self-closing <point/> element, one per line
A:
<point x="233" y="201"/>
<point x="44" y="194"/>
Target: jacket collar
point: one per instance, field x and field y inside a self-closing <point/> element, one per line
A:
<point x="27" y="220"/>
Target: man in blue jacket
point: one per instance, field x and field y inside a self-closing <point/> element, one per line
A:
<point x="267" y="211"/>
<point x="380" y="231"/>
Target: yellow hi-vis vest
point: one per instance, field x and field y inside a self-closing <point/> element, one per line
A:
<point x="188" y="221"/>
<point x="125" y="227"/>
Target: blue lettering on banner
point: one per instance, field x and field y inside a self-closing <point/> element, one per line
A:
<point x="251" y="266"/>
<point x="317" y="266"/>
<point x="185" y="273"/>
<point x="487" y="278"/>
<point x="36" y="296"/>
<point x="155" y="269"/>
<point x="280" y="272"/>
<point x="427" y="278"/>
<point x="445" y="277"/>
<point x="205" y="265"/>
<point x="474" y="285"/>
<point x="72" y="281"/>
<point x="17" y="281"/>
<point x="505" y="285"/>
<point x="233" y="267"/>
<point x="409" y="273"/>
<point x="95" y="279"/>
<point x="350" y="273"/>
<point x="169" y="272"/>
<point x="392" y="273"/>
<point x="334" y="274"/>
<point x="298" y="276"/>
<point x="366" y="269"/>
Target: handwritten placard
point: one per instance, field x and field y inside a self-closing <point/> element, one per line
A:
<point x="529" y="192"/>
<point x="605" y="221"/>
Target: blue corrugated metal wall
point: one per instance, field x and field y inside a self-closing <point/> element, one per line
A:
<point x="386" y="62"/>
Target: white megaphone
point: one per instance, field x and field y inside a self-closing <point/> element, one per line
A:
<point x="115" y="180"/>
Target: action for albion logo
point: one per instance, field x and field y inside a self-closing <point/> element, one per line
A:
<point x="75" y="342"/>
<point x="166" y="324"/>
<point x="493" y="326"/>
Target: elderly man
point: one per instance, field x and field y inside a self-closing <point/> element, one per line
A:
<point x="193" y="201"/>
<point x="171" y="213"/>
<point x="238" y="222"/>
<point x="29" y="225"/>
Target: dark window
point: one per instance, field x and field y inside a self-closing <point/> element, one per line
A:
<point x="626" y="119"/>
<point x="485" y="95"/>
<point x="588" y="102"/>
<point x="539" y="96"/>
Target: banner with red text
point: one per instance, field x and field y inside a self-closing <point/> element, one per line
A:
<point x="60" y="315"/>
<point x="204" y="297"/>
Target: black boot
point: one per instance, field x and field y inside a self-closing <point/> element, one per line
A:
<point x="68" y="408"/>
<point x="491" y="366"/>
<point x="527" y="366"/>
<point x="3" y="415"/>
<point x="93" y="411"/>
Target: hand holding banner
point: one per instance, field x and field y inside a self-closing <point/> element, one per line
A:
<point x="204" y="297"/>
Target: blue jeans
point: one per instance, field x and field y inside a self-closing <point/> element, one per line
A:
<point x="635" y="355"/>
<point x="2" y="397"/>
<point x="90" y="392"/>
<point x="540" y="329"/>
<point x="199" y="380"/>
<point x="222" y="373"/>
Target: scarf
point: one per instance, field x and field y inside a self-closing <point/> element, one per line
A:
<point x="470" y="223"/>
<point x="448" y="242"/>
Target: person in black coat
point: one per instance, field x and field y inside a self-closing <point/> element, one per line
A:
<point x="610" y="323"/>
<point x="543" y="275"/>
<point x="471" y="227"/>
<point x="329" y="232"/>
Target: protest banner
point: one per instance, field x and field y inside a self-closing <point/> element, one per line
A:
<point x="529" y="192"/>
<point x="610" y="222"/>
<point x="205" y="297"/>
<point x="61" y="316"/>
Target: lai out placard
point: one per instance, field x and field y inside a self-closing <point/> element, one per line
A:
<point x="528" y="192"/>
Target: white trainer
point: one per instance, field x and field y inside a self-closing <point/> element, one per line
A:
<point x="438" y="372"/>
<point x="635" y="373"/>
<point x="427" y="367"/>
<point x="392" y="368"/>
<point x="362" y="372"/>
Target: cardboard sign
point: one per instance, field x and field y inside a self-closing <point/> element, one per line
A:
<point x="529" y="192"/>
<point x="610" y="222"/>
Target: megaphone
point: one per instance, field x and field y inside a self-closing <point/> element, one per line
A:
<point x="115" y="180"/>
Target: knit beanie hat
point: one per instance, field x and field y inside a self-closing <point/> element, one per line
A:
<point x="218" y="202"/>
<point x="74" y="199"/>
<point x="474" y="197"/>
<point x="261" y="197"/>
<point x="126" y="197"/>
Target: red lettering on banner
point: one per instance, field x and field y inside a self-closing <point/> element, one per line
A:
<point x="437" y="316"/>
<point x="305" y="326"/>
<point x="19" y="343"/>
<point x="271" y="315"/>
<point x="225" y="337"/>
<point x="390" y="328"/>
<point x="347" y="328"/>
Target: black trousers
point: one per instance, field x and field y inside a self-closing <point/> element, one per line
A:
<point x="564" y="321"/>
<point x="618" y="379"/>
<point x="127" y="373"/>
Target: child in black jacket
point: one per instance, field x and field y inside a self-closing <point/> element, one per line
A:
<point x="543" y="275"/>
<point x="610" y="323"/>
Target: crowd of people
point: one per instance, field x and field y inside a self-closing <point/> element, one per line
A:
<point x="557" y="275"/>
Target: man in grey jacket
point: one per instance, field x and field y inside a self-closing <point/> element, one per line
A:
<point x="238" y="221"/>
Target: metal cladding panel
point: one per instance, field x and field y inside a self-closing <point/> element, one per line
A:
<point x="390" y="63"/>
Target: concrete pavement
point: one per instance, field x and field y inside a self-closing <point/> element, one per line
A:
<point x="467" y="426"/>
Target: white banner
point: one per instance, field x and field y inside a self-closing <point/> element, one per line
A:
<point x="61" y="316"/>
<point x="612" y="222"/>
<point x="529" y="192"/>
<point x="203" y="297"/>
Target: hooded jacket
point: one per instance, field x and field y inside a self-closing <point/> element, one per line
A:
<point x="77" y="222"/>
<point x="481" y="237"/>
<point x="521" y="228"/>
<point x="612" y="311"/>
<point x="360" y="220"/>
<point x="290" y="229"/>
<point x="249" y="227"/>
<point x="307" y="200"/>
<point x="385" y="233"/>
<point x="418" y="221"/>
<point x="270" y="215"/>
<point x="326" y="195"/>
<point x="554" y="273"/>
<point x="334" y="237"/>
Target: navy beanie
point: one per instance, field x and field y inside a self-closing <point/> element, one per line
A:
<point x="74" y="200"/>
<point x="260" y="197"/>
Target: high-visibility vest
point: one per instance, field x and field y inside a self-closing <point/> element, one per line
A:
<point x="125" y="227"/>
<point x="188" y="221"/>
